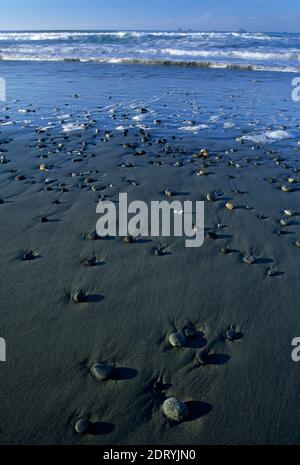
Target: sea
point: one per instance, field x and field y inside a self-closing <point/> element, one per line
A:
<point x="190" y="82"/>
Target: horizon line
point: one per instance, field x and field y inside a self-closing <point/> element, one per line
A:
<point x="179" y="29"/>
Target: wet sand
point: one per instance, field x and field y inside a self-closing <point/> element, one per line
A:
<point x="246" y="391"/>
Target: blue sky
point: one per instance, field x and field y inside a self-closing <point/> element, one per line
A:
<point x="253" y="15"/>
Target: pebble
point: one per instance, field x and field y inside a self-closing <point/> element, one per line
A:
<point x="212" y="235"/>
<point x="177" y="339"/>
<point x="159" y="251"/>
<point x="231" y="334"/>
<point x="168" y="193"/>
<point x="212" y="197"/>
<point x="30" y="255"/>
<point x="225" y="250"/>
<point x="285" y="188"/>
<point x="102" y="371"/>
<point x="190" y="331"/>
<point x="229" y="206"/>
<point x="90" y="261"/>
<point x="175" y="410"/>
<point x="93" y="236"/>
<point x="249" y="259"/>
<point x="128" y="240"/>
<point x="202" y="357"/>
<point x="79" y="297"/>
<point x="297" y="243"/>
<point x="82" y="426"/>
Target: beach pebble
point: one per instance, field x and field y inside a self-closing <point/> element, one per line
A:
<point x="93" y="236"/>
<point x="79" y="297"/>
<point x="190" y="331"/>
<point x="204" y="153"/>
<point x="102" y="371"/>
<point x="202" y="357"/>
<point x="177" y="339"/>
<point x="159" y="251"/>
<point x="212" y="235"/>
<point x="225" y="250"/>
<point x="44" y="219"/>
<point x="30" y="255"/>
<point x="229" y="206"/>
<point x="90" y="261"/>
<point x="127" y="165"/>
<point x="168" y="193"/>
<point x="231" y="334"/>
<point x="128" y="240"/>
<point x="175" y="410"/>
<point x="249" y="259"/>
<point x="82" y="426"/>
<point x="3" y="159"/>
<point x="285" y="188"/>
<point x="139" y="152"/>
<point x="288" y="213"/>
<point x="297" y="243"/>
<point x="211" y="197"/>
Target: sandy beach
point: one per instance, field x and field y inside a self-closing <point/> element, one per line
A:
<point x="102" y="332"/>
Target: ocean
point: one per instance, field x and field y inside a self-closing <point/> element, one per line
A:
<point x="233" y="85"/>
<point x="245" y="50"/>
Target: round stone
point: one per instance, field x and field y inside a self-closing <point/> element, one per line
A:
<point x="175" y="410"/>
<point x="177" y="339"/>
<point x="231" y="334"/>
<point x="229" y="206"/>
<point x="168" y="193"/>
<point x="128" y="240"/>
<point x="79" y="297"/>
<point x="211" y="197"/>
<point x="101" y="371"/>
<point x="203" y="358"/>
<point x="82" y="426"/>
<point x="249" y="259"/>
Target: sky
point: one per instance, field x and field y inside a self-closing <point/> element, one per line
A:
<point x="252" y="15"/>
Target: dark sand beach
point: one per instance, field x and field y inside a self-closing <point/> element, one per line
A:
<point x="245" y="278"/>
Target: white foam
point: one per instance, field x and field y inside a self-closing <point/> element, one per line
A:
<point x="193" y="128"/>
<point x="268" y="136"/>
<point x="69" y="127"/>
